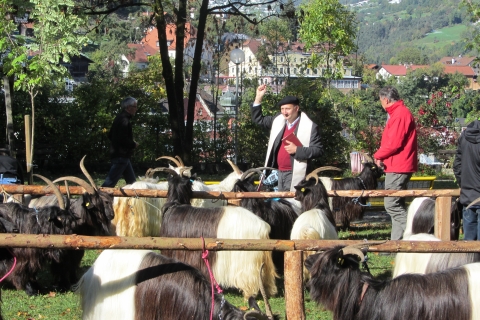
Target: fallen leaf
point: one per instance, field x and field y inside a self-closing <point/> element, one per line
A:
<point x="52" y="294"/>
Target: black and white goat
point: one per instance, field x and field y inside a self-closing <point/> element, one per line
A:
<point x="21" y="219"/>
<point x="317" y="221"/>
<point x="142" y="217"/>
<point x="236" y="269"/>
<point x="346" y="209"/>
<point x="142" y="284"/>
<point x="278" y="213"/>
<point x="338" y="285"/>
<point x="420" y="227"/>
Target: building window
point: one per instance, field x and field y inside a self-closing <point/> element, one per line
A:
<point x="281" y="70"/>
<point x="315" y="71"/>
<point x="281" y="59"/>
<point x="294" y="70"/>
<point x="308" y="71"/>
<point x="158" y="44"/>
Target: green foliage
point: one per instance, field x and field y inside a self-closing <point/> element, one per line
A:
<point x="329" y="27"/>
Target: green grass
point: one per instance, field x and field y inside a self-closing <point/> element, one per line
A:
<point x="60" y="305"/>
<point x="442" y="37"/>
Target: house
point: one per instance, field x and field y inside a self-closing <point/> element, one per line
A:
<point x="149" y="45"/>
<point x="399" y="71"/>
<point x="461" y="62"/>
<point x="289" y="60"/>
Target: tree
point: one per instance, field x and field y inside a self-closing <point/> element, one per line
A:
<point x="330" y="28"/>
<point x="37" y="63"/>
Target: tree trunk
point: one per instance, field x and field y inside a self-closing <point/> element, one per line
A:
<point x="8" y="86"/>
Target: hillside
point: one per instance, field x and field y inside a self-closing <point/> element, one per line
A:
<point x="436" y="27"/>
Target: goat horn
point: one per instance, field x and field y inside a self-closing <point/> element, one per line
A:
<point x="180" y="160"/>
<point x="314" y="173"/>
<point x="473" y="203"/>
<point x="268" y="309"/>
<point x="178" y="164"/>
<point x="56" y="191"/>
<point x="88" y="188"/>
<point x="171" y="171"/>
<point x="183" y="169"/>
<point x="367" y="157"/>
<point x="355" y="251"/>
<point x="255" y="314"/>
<point x="68" y="194"/>
<point x="234" y="167"/>
<point x="249" y="172"/>
<point x="85" y="172"/>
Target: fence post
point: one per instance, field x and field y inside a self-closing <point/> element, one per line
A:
<point x="293" y="273"/>
<point x="442" y="218"/>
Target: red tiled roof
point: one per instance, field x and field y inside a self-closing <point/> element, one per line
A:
<point x="458" y="61"/>
<point x="142" y="52"/>
<point x="465" y="70"/>
<point x="395" y="70"/>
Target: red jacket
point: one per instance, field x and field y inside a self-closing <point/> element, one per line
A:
<point x="398" y="149"/>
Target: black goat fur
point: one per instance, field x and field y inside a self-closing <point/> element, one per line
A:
<point x="338" y="285"/>
<point x="346" y="209"/>
<point x="278" y="213"/>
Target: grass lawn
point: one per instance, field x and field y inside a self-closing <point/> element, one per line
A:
<point x="58" y="305"/>
<point x="441" y="37"/>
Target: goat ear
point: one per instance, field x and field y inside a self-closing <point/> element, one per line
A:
<point x="311" y="260"/>
<point x="87" y="201"/>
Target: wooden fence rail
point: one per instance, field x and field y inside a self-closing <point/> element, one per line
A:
<point x="76" y="242"/>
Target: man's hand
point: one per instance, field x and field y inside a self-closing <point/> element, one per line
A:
<point x="379" y="162"/>
<point x="291" y="148"/>
<point x="260" y="93"/>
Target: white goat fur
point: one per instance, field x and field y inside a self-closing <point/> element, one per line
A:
<point x="240" y="269"/>
<point x="142" y="217"/>
<point x="138" y="217"/>
<point x="327" y="183"/>
<point x="107" y="289"/>
<point x="412" y="210"/>
<point x="312" y="225"/>
<point x="473" y="270"/>
<point x="414" y="262"/>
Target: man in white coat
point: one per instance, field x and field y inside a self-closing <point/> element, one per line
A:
<point x="285" y="153"/>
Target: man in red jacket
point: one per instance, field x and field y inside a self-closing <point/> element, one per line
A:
<point x="397" y="154"/>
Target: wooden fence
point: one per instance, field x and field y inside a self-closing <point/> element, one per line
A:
<point x="294" y="303"/>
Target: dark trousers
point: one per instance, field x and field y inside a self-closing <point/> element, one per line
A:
<point x="284" y="180"/>
<point x="120" y="166"/>
<point x="470" y="222"/>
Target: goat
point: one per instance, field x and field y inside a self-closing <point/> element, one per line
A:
<point x="231" y="268"/>
<point x="347" y="209"/>
<point x="420" y="227"/>
<point x="142" y="217"/>
<point x="339" y="286"/>
<point x="44" y="220"/>
<point x="421" y="218"/>
<point x="142" y="284"/>
<point x="278" y="213"/>
<point x="317" y="221"/>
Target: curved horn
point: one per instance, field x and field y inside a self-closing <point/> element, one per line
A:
<point x="85" y="172"/>
<point x="268" y="309"/>
<point x="473" y="203"/>
<point x="88" y="188"/>
<point x="355" y="251"/>
<point x="234" y="167"/>
<point x="314" y="173"/>
<point x="178" y="164"/>
<point x="171" y="171"/>
<point x="255" y="314"/>
<point x="367" y="157"/>
<point x="180" y="160"/>
<point x="183" y="169"/>
<point x="56" y="191"/>
<point x="249" y="172"/>
<point x="68" y="194"/>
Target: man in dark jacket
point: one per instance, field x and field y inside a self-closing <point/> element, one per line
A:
<point x="11" y="171"/>
<point x="289" y="155"/>
<point x="123" y="145"/>
<point x="466" y="168"/>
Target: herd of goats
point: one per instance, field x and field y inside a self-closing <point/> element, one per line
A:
<point x="143" y="284"/>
